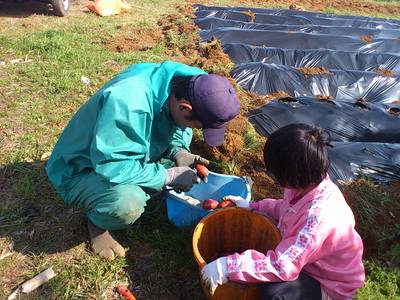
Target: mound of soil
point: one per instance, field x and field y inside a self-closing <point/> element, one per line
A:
<point x="395" y="111"/>
<point x="366" y="38"/>
<point x="324" y="98"/>
<point x="314" y="71"/>
<point x="362" y="7"/>
<point x="251" y="14"/>
<point x="279" y="94"/>
<point x="211" y="55"/>
<point x="132" y="39"/>
<point x="385" y="72"/>
<point x="238" y="125"/>
<point x="296" y="7"/>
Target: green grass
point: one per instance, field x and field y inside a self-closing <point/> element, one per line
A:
<point x="383" y="283"/>
<point x="251" y="139"/>
<point x="36" y="101"/>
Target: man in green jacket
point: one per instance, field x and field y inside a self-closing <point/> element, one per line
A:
<point x="108" y="157"/>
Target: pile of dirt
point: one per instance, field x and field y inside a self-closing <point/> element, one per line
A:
<point x="253" y="166"/>
<point x="279" y="94"/>
<point x="385" y="72"/>
<point x="238" y="125"/>
<point x="366" y="38"/>
<point x="251" y="14"/>
<point x="395" y="111"/>
<point x="324" y="98"/>
<point x="252" y="100"/>
<point x="233" y="146"/>
<point x="181" y="39"/>
<point x="296" y="7"/>
<point x="361" y="7"/>
<point x="212" y="55"/>
<point x="314" y="71"/>
<point x="133" y="39"/>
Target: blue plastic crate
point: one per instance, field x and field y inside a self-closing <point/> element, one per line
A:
<point x="182" y="213"/>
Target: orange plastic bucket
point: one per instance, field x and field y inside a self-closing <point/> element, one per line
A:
<point x="231" y="230"/>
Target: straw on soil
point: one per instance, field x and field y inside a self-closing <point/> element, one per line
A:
<point x="385" y="72"/>
<point x="296" y="7"/>
<point x="364" y="7"/>
<point x="251" y="14"/>
<point x="208" y="56"/>
<point x="132" y="39"/>
<point x="324" y="98"/>
<point x="252" y="100"/>
<point x="366" y="38"/>
<point x="314" y="70"/>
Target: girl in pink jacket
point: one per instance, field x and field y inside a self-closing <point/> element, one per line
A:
<point x="320" y="254"/>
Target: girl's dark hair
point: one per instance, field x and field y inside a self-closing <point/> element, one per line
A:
<point x="297" y="155"/>
<point x="180" y="86"/>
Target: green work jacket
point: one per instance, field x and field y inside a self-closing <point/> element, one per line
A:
<point x="124" y="129"/>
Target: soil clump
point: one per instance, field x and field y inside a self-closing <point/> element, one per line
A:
<point x="385" y="72"/>
<point x="366" y="38"/>
<point x="314" y="71"/>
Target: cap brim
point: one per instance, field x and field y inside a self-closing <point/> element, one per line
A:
<point x="214" y="136"/>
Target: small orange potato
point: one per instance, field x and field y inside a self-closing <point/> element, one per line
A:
<point x="202" y="170"/>
<point x="226" y="203"/>
<point x="210" y="204"/>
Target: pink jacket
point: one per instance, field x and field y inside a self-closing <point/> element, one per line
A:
<point x="318" y="237"/>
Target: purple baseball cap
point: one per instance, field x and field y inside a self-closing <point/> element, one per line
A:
<point x="214" y="103"/>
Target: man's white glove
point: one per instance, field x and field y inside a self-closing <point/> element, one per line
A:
<point x="181" y="178"/>
<point x="185" y="158"/>
<point x="215" y="273"/>
<point x="239" y="201"/>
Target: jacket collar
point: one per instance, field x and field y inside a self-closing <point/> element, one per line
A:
<point x="296" y="201"/>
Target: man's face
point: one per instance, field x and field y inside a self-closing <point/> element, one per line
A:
<point x="181" y="111"/>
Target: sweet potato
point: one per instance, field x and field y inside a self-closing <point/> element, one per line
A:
<point x="125" y="292"/>
<point x="210" y="204"/>
<point x="202" y="170"/>
<point x="226" y="203"/>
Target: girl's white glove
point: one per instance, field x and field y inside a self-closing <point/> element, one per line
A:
<point x="239" y="201"/>
<point x="215" y="273"/>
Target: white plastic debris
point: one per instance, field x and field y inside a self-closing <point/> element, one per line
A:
<point x="20" y="60"/>
<point x="33" y="283"/>
<point x="38" y="280"/>
<point x="8" y="251"/>
<point x="45" y="156"/>
<point x="85" y="80"/>
<point x="16" y="61"/>
<point x="191" y="200"/>
<point x="13" y="295"/>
